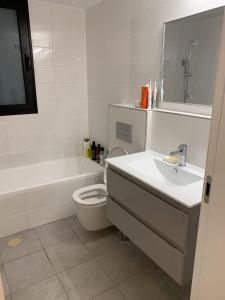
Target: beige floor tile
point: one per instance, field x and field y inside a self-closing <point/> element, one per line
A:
<point x="84" y="235"/>
<point x="151" y="284"/>
<point x="27" y="271"/>
<point x="49" y="289"/>
<point x="19" y="245"/>
<point x="85" y="281"/>
<point x="123" y="262"/>
<point x="67" y="254"/>
<point x="112" y="294"/>
<point x="104" y="244"/>
<point x="173" y="291"/>
<point x="54" y="233"/>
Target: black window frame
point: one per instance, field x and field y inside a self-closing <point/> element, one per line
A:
<point x="22" y="10"/>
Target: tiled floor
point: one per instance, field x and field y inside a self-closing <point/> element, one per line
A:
<point x="62" y="261"/>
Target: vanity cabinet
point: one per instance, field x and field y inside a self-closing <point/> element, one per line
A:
<point x="164" y="229"/>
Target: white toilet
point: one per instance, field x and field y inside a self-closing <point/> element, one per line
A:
<point x="126" y="127"/>
<point x="90" y="201"/>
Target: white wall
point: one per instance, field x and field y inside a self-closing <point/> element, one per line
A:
<point x="168" y="131"/>
<point x="59" y="46"/>
<point x="124" y="41"/>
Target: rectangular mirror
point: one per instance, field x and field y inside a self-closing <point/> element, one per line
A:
<point x="189" y="60"/>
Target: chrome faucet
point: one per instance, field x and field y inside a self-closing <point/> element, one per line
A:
<point x="182" y="152"/>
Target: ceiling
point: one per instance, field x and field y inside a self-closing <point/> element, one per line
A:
<point x="76" y="3"/>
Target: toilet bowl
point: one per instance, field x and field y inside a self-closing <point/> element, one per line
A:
<point x="90" y="205"/>
<point x="90" y="201"/>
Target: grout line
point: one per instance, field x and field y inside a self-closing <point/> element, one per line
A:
<point x="18" y="258"/>
<point x="33" y="284"/>
<point x="112" y="287"/>
<point x="61" y="284"/>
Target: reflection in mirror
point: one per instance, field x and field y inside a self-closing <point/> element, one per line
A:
<point x="190" y="52"/>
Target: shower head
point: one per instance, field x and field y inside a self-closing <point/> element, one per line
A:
<point x="193" y="43"/>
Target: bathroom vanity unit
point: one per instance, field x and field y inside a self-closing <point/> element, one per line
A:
<point x="157" y="206"/>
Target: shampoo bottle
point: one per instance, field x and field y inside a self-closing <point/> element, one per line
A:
<point x="150" y="97"/>
<point x="93" y="151"/>
<point x="144" y="97"/>
<point x="155" y="92"/>
<point x="98" y="150"/>
<point x="86" y="148"/>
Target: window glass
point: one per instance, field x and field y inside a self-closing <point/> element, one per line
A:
<point x="12" y="89"/>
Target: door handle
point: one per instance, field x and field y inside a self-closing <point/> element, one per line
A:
<point x="207" y="189"/>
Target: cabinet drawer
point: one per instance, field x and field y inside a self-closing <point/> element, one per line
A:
<point x="171" y="260"/>
<point x="166" y="220"/>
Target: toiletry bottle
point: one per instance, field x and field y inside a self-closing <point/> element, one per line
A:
<point x="98" y="149"/>
<point x="144" y="97"/>
<point x="155" y="92"/>
<point x="86" y="142"/>
<point x="150" y="95"/>
<point x="101" y="156"/>
<point x="87" y="148"/>
<point x="88" y="151"/>
<point x="162" y="90"/>
<point x="93" y="151"/>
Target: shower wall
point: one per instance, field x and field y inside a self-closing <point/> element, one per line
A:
<point x="206" y="31"/>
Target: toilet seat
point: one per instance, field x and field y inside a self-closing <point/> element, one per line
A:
<point x="91" y="195"/>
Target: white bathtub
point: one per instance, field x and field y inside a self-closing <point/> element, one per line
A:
<point x="37" y="194"/>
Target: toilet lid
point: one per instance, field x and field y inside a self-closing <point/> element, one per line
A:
<point x="91" y="195"/>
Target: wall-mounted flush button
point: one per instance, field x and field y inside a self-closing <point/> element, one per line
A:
<point x="124" y="132"/>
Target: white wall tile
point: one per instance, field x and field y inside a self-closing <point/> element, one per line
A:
<point x="13" y="224"/>
<point x="67" y="38"/>
<point x="64" y="92"/>
<point x="4" y="143"/>
<point x="43" y="56"/>
<point x="59" y="50"/>
<point x="12" y="204"/>
<point x="130" y="37"/>
<point x="52" y="194"/>
<point x="29" y="134"/>
<point x="49" y="214"/>
<point x="44" y="74"/>
<point x="169" y="130"/>
<point x="5" y="162"/>
<point x="40" y="13"/>
<point x="63" y="17"/>
<point x="67" y="57"/>
<point x="35" y="156"/>
<point x="41" y="36"/>
<point x="69" y="75"/>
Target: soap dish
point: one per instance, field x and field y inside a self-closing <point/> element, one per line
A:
<point x="171" y="159"/>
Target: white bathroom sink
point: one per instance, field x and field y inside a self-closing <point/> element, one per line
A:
<point x="183" y="184"/>
<point x="157" y="168"/>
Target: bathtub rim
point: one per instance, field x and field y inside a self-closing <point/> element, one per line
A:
<point x="24" y="189"/>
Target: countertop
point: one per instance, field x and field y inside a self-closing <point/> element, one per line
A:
<point x="189" y="195"/>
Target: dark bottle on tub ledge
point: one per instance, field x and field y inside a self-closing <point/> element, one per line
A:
<point x="98" y="150"/>
<point x="93" y="151"/>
